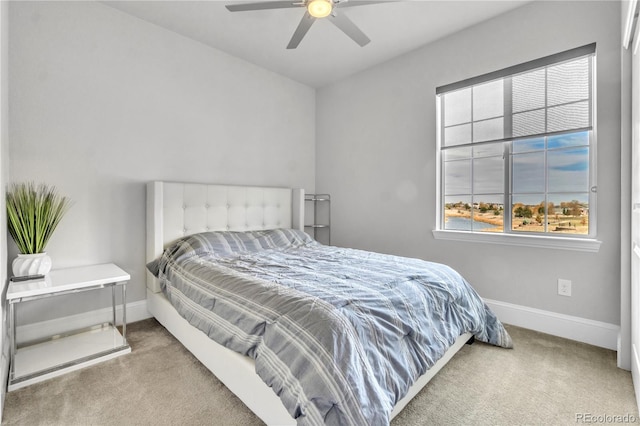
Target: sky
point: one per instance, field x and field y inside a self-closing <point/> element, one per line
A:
<point x="566" y="169"/>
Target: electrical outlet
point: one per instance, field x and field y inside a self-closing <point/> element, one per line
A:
<point x="564" y="287"/>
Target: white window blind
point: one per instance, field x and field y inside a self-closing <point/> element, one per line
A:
<point x="548" y="99"/>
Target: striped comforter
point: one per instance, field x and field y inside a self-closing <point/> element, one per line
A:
<point x="339" y="334"/>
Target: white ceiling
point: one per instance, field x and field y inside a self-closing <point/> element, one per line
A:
<point x="325" y="54"/>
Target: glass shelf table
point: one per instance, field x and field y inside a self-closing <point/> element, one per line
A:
<point x="43" y="359"/>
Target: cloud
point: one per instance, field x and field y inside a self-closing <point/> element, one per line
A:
<point x="578" y="166"/>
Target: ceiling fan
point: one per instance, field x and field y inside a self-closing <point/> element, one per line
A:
<point x="316" y="9"/>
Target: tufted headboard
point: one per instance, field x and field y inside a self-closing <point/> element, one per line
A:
<point x="175" y="210"/>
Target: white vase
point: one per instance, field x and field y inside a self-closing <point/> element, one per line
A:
<point x="31" y="264"/>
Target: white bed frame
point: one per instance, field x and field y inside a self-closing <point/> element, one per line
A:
<point x="175" y="210"/>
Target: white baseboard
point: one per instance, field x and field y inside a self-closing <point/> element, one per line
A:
<point x="584" y="330"/>
<point x="136" y="311"/>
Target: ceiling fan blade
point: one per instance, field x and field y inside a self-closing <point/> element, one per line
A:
<point x="349" y="28"/>
<point x="304" y="25"/>
<point x="263" y="5"/>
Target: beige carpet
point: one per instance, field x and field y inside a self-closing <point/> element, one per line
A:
<point x="544" y="380"/>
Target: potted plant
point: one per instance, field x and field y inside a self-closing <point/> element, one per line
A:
<point x="33" y="213"/>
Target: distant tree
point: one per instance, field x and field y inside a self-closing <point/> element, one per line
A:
<point x="575" y="208"/>
<point x="517" y="209"/>
<point x="522" y="211"/>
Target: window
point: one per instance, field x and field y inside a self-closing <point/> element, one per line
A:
<point x="517" y="149"/>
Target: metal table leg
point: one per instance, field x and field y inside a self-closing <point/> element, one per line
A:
<point x="124" y="313"/>
<point x="12" y="340"/>
<point x="113" y="305"/>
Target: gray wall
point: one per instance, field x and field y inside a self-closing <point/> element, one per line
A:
<point x="624" y="344"/>
<point x="102" y="102"/>
<point x="4" y="176"/>
<point x="376" y="156"/>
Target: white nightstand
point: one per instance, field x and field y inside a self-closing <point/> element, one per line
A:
<point x="61" y="354"/>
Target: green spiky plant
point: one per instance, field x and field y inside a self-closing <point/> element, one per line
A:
<point x="33" y="213"/>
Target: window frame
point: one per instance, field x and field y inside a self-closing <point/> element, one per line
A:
<point x="581" y="242"/>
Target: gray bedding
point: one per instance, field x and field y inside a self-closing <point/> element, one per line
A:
<point x="339" y="334"/>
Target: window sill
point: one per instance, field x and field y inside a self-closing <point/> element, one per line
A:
<point x="560" y="243"/>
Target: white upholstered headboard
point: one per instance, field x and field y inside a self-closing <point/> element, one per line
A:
<point x="176" y="209"/>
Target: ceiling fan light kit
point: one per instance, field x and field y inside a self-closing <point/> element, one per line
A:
<point x="319" y="8"/>
<point x="314" y="9"/>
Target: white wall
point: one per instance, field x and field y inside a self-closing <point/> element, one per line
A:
<point x="376" y="156"/>
<point x="102" y="102"/>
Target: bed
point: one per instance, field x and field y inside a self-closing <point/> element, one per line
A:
<point x="178" y="213"/>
